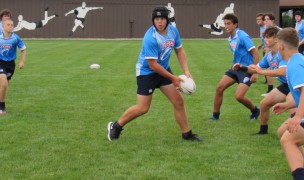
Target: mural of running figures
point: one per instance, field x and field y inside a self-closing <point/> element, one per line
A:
<point x="130" y="18"/>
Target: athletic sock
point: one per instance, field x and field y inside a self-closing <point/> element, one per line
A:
<point x="298" y="174"/>
<point x="264" y="128"/>
<point x="255" y="110"/>
<point x="117" y="126"/>
<point x="216" y="115"/>
<point x="2" y="105"/>
<point x="270" y="87"/>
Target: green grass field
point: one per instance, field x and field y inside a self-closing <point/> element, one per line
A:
<point x="58" y="111"/>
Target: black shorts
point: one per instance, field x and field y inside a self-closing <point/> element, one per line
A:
<point x="148" y="83"/>
<point x="7" y="68"/>
<point x="283" y="88"/>
<point x="292" y="115"/>
<point x="239" y="76"/>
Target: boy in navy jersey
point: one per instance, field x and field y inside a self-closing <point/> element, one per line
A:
<point x="9" y="42"/>
<point x="153" y="71"/>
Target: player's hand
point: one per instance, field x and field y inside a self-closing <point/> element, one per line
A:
<point x="260" y="46"/>
<point x="66" y="14"/>
<point x="236" y="66"/>
<point x="279" y="108"/>
<point x="176" y="82"/>
<point x="255" y="68"/>
<point x="21" y="65"/>
<point x="293" y="124"/>
<point x="188" y="74"/>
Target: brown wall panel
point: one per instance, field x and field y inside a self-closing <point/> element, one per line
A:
<point x="114" y="20"/>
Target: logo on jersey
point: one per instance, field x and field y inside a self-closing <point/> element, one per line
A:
<point x="168" y="43"/>
<point x="233" y="45"/>
<point x="6" y="46"/>
<point x="5" y="49"/>
<point x="246" y="79"/>
<point x="167" y="48"/>
<point x="274" y="65"/>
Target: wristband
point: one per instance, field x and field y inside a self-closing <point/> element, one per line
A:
<point x="243" y="68"/>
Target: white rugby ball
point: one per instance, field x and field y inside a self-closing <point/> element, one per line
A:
<point x="187" y="86"/>
<point x="94" y="66"/>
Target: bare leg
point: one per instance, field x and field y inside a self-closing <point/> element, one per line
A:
<point x="142" y="107"/>
<point x="275" y="96"/>
<point x="3" y="88"/>
<point x="291" y="144"/>
<point x="225" y="82"/>
<point x="240" y="96"/>
<point x="177" y="101"/>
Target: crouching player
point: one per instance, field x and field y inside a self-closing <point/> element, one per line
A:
<point x="291" y="132"/>
<point x="272" y="65"/>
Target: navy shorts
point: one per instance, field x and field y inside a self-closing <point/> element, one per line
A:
<point x="239" y="76"/>
<point x="146" y="84"/>
<point x="7" y="68"/>
<point x="283" y="88"/>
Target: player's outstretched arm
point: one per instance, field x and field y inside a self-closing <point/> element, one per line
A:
<point x="70" y="12"/>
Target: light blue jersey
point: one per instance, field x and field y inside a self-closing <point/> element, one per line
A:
<point x="300" y="29"/>
<point x="295" y="76"/>
<point x="157" y="46"/>
<point x="262" y="30"/>
<point x="241" y="45"/>
<point x="273" y="62"/>
<point x="8" y="47"/>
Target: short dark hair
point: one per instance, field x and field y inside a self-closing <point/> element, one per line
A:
<point x="270" y="15"/>
<point x="299" y="13"/>
<point x="232" y="17"/>
<point x="271" y="32"/>
<point x="290" y="37"/>
<point x="6" y="12"/>
<point x="260" y="15"/>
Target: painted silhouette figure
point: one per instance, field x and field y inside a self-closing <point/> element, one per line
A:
<point x="171" y="15"/>
<point x="34" y="25"/>
<point x="80" y="13"/>
<point x="219" y="23"/>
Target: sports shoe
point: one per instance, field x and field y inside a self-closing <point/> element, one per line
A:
<point x="113" y="133"/>
<point x="213" y="118"/>
<point x="191" y="137"/>
<point x="2" y="111"/>
<point x="255" y="115"/>
<point x="260" y="133"/>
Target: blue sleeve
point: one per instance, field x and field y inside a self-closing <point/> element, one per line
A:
<point x="20" y="43"/>
<point x="282" y="63"/>
<point x="150" y="48"/>
<point x="178" y="42"/>
<point x="297" y="76"/>
<point x="248" y="42"/>
<point x="264" y="63"/>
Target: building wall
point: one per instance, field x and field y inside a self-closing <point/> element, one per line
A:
<point x="131" y="18"/>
